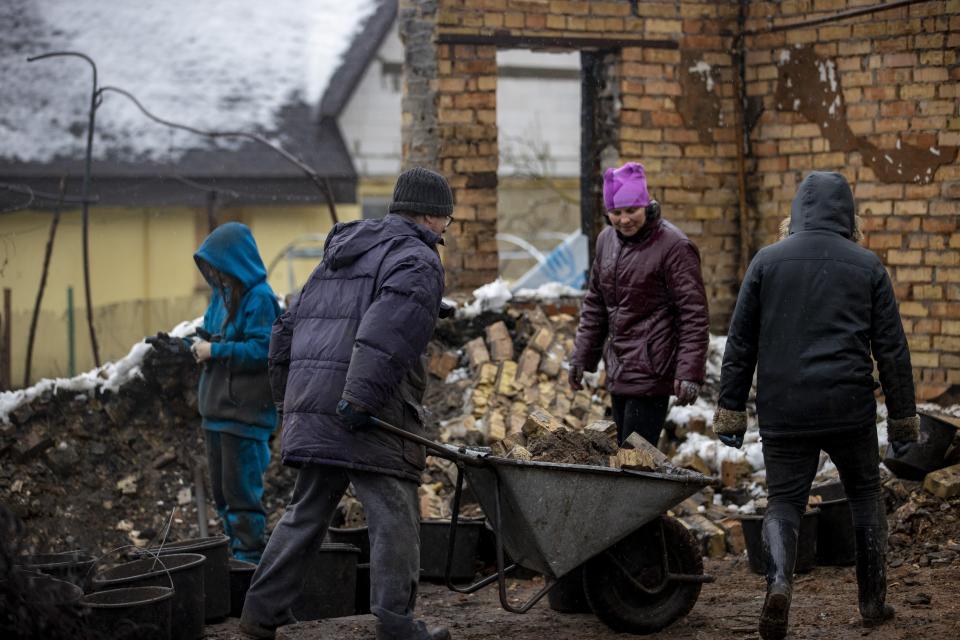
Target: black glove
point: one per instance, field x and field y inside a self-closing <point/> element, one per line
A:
<point x="353" y="417"/>
<point x="168" y="345"/>
<point x="447" y="311"/>
<point x="735" y="441"/>
<point x="575" y="378"/>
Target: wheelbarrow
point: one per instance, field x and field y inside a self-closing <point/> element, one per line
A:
<point x="642" y="570"/>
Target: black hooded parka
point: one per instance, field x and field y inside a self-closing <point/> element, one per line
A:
<point x="811" y="310"/>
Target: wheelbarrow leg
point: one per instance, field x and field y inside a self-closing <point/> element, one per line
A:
<point x="500" y="576"/>
<point x="451" y="545"/>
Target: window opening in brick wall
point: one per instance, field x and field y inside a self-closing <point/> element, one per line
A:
<point x="538" y="136"/>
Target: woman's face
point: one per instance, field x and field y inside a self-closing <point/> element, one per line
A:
<point x="628" y="221"/>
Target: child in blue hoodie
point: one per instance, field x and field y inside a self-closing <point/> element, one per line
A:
<point x="234" y="396"/>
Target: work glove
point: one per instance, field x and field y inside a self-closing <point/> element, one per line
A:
<point x="735" y="441"/>
<point x="903" y="430"/>
<point x="446" y="310"/>
<point x="353" y="417"/>
<point x="686" y="392"/>
<point x="576" y="377"/>
<point x="730" y="426"/>
<point x="167" y="344"/>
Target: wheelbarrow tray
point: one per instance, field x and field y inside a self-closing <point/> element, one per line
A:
<point x="553" y="517"/>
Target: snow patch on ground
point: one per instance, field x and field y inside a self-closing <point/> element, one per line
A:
<point x="108" y="377"/>
<point x="217" y="64"/>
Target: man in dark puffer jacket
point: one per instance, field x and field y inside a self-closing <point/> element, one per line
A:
<point x="348" y="348"/>
<point x="811" y="310"/>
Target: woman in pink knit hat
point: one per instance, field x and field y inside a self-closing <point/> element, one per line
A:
<point x="645" y="311"/>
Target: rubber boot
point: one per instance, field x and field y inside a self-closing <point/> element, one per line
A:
<point x="872" y="575"/>
<point x="780" y="552"/>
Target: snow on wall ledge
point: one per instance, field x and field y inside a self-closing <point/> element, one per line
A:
<point x="108" y="377"/>
<point x="216" y="64"/>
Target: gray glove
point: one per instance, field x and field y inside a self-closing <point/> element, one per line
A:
<point x="686" y="391"/>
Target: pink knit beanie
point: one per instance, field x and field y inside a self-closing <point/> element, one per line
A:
<point x="625" y="187"/>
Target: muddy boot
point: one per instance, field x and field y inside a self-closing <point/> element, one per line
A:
<point x="780" y="551"/>
<point x="872" y="575"/>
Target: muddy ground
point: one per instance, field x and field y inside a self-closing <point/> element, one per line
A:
<point x="824" y="608"/>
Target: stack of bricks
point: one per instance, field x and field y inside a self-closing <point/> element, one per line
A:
<point x="875" y="98"/>
<point x="893" y="133"/>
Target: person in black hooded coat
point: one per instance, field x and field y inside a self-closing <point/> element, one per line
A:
<point x="812" y="309"/>
<point x="351" y="346"/>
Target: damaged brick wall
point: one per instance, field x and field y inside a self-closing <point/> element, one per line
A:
<point x="875" y="98"/>
<point x="691" y="172"/>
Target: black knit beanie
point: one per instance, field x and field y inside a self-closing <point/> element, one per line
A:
<point x="422" y="191"/>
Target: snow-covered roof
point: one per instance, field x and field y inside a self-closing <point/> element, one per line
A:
<point x="212" y="64"/>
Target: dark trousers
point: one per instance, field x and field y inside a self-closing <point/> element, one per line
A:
<point x="792" y="465"/>
<point x="640" y="414"/>
<point x="236" y="467"/>
<point x="393" y="517"/>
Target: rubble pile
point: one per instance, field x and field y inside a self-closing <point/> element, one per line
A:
<point x="504" y="376"/>
<point x="96" y="466"/>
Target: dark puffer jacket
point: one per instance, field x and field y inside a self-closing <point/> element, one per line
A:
<point x="358" y="331"/>
<point x="645" y="312"/>
<point x="810" y="310"/>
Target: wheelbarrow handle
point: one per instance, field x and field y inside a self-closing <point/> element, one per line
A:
<point x="437" y="449"/>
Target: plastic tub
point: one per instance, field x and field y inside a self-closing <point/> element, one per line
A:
<point x="329" y="586"/>
<point x="434" y="539"/>
<point x="130" y="612"/>
<point x="359" y="537"/>
<point x="71" y="566"/>
<point x="568" y="596"/>
<point x="362" y="599"/>
<point x="806" y="542"/>
<point x="183" y="570"/>
<point x="836" y="542"/>
<point x="240" y="575"/>
<point x="216" y="570"/>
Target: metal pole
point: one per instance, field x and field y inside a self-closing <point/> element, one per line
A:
<point x="841" y="15"/>
<point x="200" y="491"/>
<point x="7" y="321"/>
<point x="85" y="192"/>
<point x="590" y="63"/>
<point x="742" y="138"/>
<point x="71" y="336"/>
<point x="43" y="284"/>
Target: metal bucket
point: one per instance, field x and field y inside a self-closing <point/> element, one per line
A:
<point x="184" y="571"/>
<point x="916" y="459"/>
<point x="216" y="570"/>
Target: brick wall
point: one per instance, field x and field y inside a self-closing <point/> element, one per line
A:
<point x="892" y="80"/>
<point x="874" y="97"/>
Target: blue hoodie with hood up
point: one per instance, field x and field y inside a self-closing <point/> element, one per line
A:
<point x="234" y="394"/>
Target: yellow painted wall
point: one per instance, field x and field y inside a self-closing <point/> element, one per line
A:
<point x="142" y="273"/>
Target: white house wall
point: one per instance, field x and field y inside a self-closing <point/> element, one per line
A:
<point x="535" y="115"/>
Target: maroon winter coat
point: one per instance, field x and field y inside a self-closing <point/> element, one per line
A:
<point x="645" y="312"/>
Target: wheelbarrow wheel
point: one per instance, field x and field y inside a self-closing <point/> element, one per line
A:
<point x="625" y="584"/>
